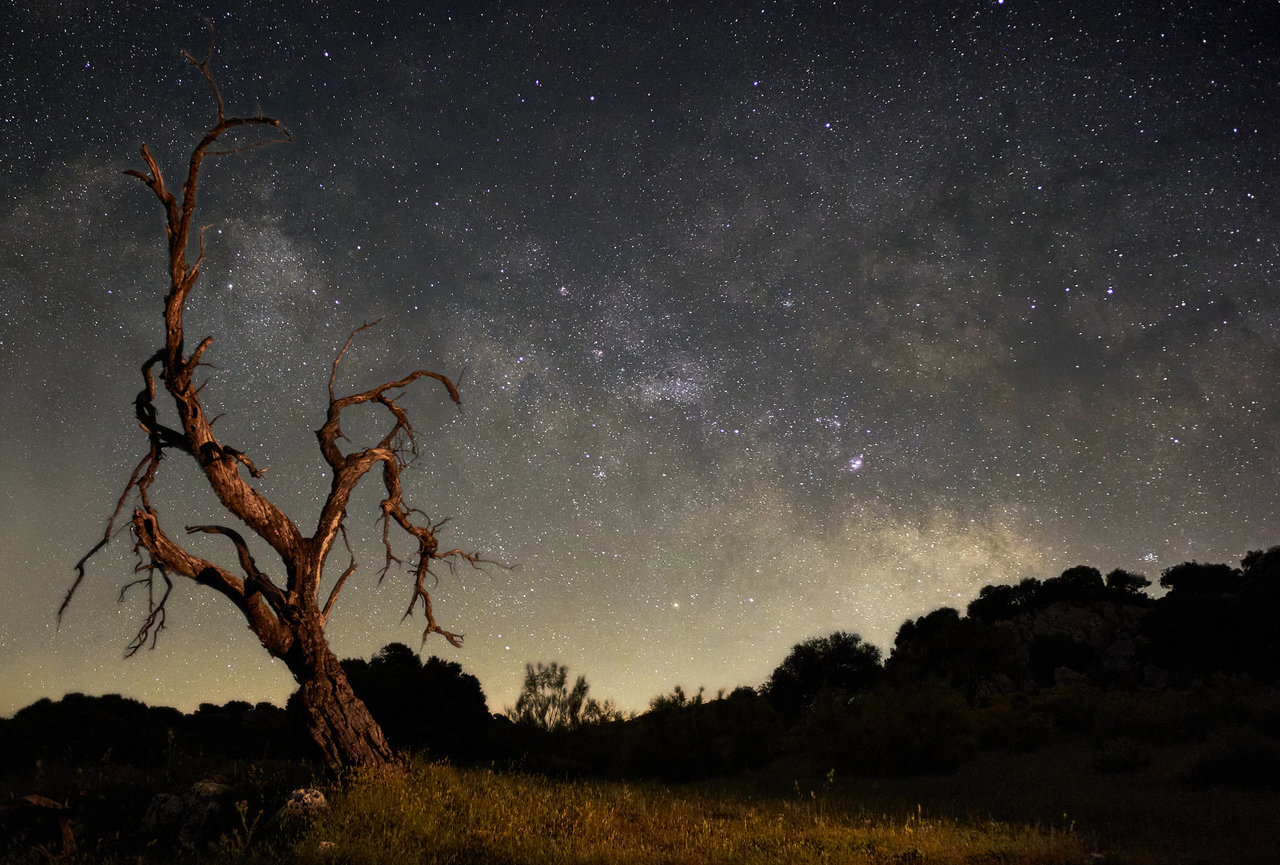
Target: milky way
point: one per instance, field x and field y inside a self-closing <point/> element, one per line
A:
<point x="772" y="319"/>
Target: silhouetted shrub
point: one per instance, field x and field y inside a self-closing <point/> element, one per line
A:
<point x="1121" y="755"/>
<point x="1068" y="707"/>
<point x="1266" y="714"/>
<point x="1238" y="757"/>
<point x="86" y="729"/>
<point x="1126" y="583"/>
<point x="919" y="729"/>
<point x="1010" y="723"/>
<point x="1155" y="716"/>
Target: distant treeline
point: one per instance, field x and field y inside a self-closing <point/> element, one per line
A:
<point x="1081" y="654"/>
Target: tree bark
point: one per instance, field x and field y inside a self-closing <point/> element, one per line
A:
<point x="339" y="721"/>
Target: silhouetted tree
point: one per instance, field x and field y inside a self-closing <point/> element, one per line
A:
<point x="968" y="653"/>
<point x="1260" y="598"/>
<point x="1027" y="590"/>
<point x="85" y="730"/>
<point x="238" y="730"/>
<point x="1078" y="585"/>
<point x="288" y="612"/>
<point x="1126" y="583"/>
<point x="926" y="628"/>
<point x="840" y="661"/>
<point x="994" y="604"/>
<point x="1202" y="625"/>
<point x="1216" y="618"/>
<point x="1194" y="578"/>
<point x="1262" y="564"/>
<point x="430" y="706"/>
<point x="684" y="737"/>
<point x="548" y="703"/>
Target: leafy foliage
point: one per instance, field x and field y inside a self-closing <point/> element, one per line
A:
<point x="840" y="661"/>
<point x="914" y="729"/>
<point x="548" y="703"/>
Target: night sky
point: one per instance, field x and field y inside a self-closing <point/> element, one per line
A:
<point x="776" y="318"/>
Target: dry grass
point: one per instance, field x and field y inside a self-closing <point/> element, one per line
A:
<point x="1059" y="804"/>
<point x="438" y="814"/>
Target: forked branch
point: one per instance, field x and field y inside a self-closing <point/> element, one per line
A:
<point x="153" y="624"/>
<point x="391" y="451"/>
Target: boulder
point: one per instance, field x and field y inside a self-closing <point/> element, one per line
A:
<point x="191" y="816"/>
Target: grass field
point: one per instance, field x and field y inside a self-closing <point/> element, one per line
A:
<point x="439" y="814"/>
<point x="1143" y="816"/>
<point x="1056" y="805"/>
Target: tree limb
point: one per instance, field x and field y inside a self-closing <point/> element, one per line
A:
<point x="255" y="580"/>
<point x="342" y="580"/>
<point x="153" y="624"/>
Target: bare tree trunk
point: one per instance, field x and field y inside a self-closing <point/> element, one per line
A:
<point x="339" y="721"/>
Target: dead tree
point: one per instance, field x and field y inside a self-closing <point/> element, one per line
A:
<point x="288" y="615"/>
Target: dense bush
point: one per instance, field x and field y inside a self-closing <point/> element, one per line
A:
<point x="1013" y="723"/>
<point x="897" y="730"/>
<point x="684" y="738"/>
<point x="1236" y="757"/>
<point x="87" y="730"/>
<point x="839" y="661"/>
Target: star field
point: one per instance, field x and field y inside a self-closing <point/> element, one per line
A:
<point x="776" y="319"/>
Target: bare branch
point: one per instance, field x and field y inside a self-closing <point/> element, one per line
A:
<point x="243" y="458"/>
<point x="349" y="469"/>
<point x="223" y="122"/>
<point x="155" y="180"/>
<point x="333" y="373"/>
<point x="194" y="361"/>
<point x="332" y="429"/>
<point x="393" y="508"/>
<point x="419" y="592"/>
<point x="194" y="272"/>
<point x="342" y="580"/>
<point x="110" y="530"/>
<point x="203" y="66"/>
<point x="253" y="145"/>
<point x="153" y="624"/>
<point x="266" y="618"/>
<point x="255" y="579"/>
